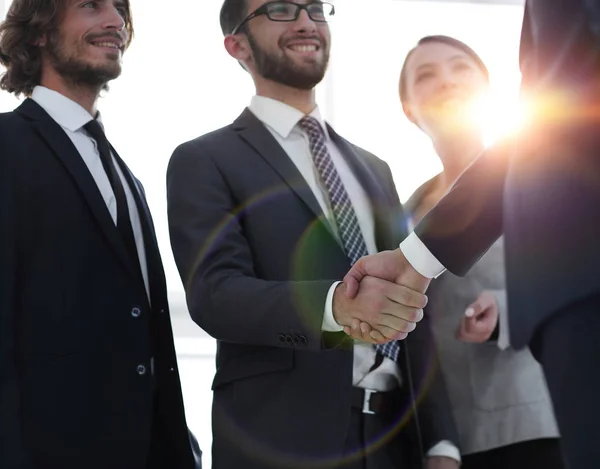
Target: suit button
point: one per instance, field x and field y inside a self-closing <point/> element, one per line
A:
<point x="282" y="338"/>
<point x="141" y="370"/>
<point x="296" y="339"/>
<point x="162" y="311"/>
<point x="136" y="312"/>
<point x="288" y="339"/>
<point x="303" y="340"/>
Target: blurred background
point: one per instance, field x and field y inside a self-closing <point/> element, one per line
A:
<point x="178" y="82"/>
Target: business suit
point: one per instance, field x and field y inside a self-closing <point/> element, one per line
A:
<point x="78" y="384"/>
<point x="257" y="258"/>
<point x="541" y="192"/>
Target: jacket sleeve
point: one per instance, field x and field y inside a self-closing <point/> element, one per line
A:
<point x="215" y="262"/>
<point x="469" y="219"/>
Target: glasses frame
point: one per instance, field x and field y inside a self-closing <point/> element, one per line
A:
<point x="264" y="10"/>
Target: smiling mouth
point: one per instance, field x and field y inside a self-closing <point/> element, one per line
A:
<point x="303" y="48"/>
<point x="106" y="44"/>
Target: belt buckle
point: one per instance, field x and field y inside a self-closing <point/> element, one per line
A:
<point x="367" y="401"/>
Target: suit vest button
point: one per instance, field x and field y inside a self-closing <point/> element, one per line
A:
<point x="141" y="370"/>
<point x="136" y="312"/>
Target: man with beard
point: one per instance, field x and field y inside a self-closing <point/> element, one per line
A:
<point x="266" y="216"/>
<point x="88" y="372"/>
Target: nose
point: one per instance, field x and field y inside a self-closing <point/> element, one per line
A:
<point x="113" y="19"/>
<point x="448" y="78"/>
<point x="304" y="23"/>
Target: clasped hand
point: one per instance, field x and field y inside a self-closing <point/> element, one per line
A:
<point x="382" y="298"/>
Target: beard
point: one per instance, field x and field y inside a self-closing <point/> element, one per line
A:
<point x="74" y="69"/>
<point x="282" y="69"/>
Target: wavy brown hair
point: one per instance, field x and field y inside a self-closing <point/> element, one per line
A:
<point x="26" y="22"/>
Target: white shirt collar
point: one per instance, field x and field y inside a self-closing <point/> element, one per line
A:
<point x="66" y="112"/>
<point x="279" y="116"/>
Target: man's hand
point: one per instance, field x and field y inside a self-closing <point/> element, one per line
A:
<point x="441" y="462"/>
<point x="480" y="319"/>
<point x="388" y="265"/>
<point x="392" y="309"/>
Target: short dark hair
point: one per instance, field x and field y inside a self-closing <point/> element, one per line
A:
<point x="233" y="13"/>
<point x="26" y="22"/>
<point x="444" y="40"/>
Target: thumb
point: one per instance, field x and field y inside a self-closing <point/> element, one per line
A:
<point x="474" y="310"/>
<point x="353" y="278"/>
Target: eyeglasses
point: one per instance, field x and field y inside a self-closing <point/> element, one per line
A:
<point x="319" y="12"/>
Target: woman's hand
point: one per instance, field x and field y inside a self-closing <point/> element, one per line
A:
<point x="480" y="319"/>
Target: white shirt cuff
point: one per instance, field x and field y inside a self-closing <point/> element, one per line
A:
<point x="420" y="257"/>
<point x="329" y="324"/>
<point x="445" y="449"/>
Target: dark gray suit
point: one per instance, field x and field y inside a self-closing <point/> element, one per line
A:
<point x="257" y="258"/>
<point x="543" y="194"/>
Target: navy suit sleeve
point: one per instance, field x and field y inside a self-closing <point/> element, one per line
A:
<point x="469" y="219"/>
<point x="215" y="262"/>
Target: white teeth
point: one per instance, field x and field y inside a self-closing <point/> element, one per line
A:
<point x="106" y="44"/>
<point x="304" y="48"/>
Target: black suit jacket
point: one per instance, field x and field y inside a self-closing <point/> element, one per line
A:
<point x="541" y="190"/>
<point x="72" y="394"/>
<point x="257" y="258"/>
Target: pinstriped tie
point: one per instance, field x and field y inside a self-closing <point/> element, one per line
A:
<point x="343" y="212"/>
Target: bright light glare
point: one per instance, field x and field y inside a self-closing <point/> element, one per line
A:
<point x="498" y="117"/>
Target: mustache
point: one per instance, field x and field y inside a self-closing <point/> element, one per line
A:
<point x="114" y="34"/>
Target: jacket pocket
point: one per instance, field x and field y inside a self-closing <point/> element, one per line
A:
<point x="253" y="363"/>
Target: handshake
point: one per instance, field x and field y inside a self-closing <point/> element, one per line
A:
<point x="383" y="296"/>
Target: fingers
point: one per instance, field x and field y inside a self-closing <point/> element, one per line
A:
<point x="388" y="334"/>
<point x="484" y="301"/>
<point x="404" y="295"/>
<point x="477" y="328"/>
<point x="396" y="323"/>
<point x="378" y="304"/>
<point x="361" y="331"/>
<point x="385" y="265"/>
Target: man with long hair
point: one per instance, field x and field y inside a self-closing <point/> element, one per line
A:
<point x="88" y="372"/>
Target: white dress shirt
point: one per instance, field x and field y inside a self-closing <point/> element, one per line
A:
<point x="72" y="117"/>
<point x="282" y="122"/>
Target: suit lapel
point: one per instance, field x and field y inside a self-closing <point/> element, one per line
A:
<point x="371" y="183"/>
<point x="260" y="139"/>
<point x="62" y="147"/>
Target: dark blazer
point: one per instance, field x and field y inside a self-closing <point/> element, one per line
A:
<point x="540" y="191"/>
<point x="77" y="329"/>
<point x="257" y="258"/>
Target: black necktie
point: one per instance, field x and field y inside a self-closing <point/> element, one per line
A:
<point x="123" y="221"/>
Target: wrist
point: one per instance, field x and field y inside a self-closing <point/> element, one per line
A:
<point x="339" y="298"/>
